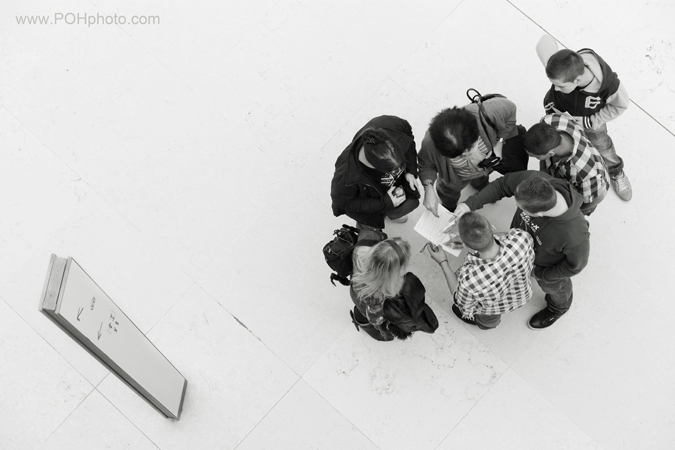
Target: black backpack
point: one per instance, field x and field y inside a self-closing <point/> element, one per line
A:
<point x="338" y="252"/>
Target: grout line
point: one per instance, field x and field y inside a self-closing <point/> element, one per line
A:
<point x="672" y="133"/>
<point x="128" y="419"/>
<point x="267" y="413"/>
<point x="69" y="414"/>
<point x="340" y="413"/>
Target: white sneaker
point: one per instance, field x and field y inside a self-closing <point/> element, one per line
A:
<point x="622" y="186"/>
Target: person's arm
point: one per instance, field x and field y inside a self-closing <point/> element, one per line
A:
<point x="500" y="188"/>
<point x="438" y="254"/>
<point x="616" y="105"/>
<point x="575" y="260"/>
<point x="546" y="47"/>
<point x="347" y="198"/>
<point x="428" y="173"/>
<point x="426" y="160"/>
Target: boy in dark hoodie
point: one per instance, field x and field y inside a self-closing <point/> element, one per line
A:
<point x="549" y="210"/>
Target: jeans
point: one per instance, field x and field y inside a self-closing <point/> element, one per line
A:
<point x="603" y="143"/>
<point x="487" y="322"/>
<point x="558" y="294"/>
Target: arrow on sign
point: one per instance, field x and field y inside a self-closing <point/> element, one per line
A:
<point x="99" y="331"/>
<point x="79" y="311"/>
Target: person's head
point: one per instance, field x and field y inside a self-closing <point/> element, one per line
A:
<point x="564" y="69"/>
<point x="379" y="150"/>
<point x="453" y="131"/>
<point x="535" y="196"/>
<point x="475" y="231"/>
<point x="382" y="269"/>
<point x="541" y="140"/>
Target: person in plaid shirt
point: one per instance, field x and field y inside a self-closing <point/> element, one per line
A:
<point x="493" y="280"/>
<point x="564" y="152"/>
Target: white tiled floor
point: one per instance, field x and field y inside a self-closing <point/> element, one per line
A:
<point x="187" y="167"/>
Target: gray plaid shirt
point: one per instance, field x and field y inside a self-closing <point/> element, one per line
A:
<point x="499" y="285"/>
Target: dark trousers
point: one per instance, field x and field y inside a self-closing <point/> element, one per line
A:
<point x="558" y="294"/>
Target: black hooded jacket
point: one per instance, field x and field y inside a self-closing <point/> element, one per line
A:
<point x="353" y="192"/>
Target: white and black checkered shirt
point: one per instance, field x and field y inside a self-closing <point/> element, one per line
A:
<point x="499" y="285"/>
<point x="584" y="168"/>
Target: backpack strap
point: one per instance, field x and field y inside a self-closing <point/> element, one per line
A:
<point x="485" y="121"/>
<point x="366" y="243"/>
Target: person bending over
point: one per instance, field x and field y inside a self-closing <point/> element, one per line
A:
<point x="375" y="175"/>
<point x="495" y="278"/>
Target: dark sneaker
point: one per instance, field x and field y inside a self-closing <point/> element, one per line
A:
<point x="622" y="186"/>
<point x="458" y="313"/>
<point x="543" y="319"/>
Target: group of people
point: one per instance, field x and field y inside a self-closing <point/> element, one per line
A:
<point x="381" y="175"/>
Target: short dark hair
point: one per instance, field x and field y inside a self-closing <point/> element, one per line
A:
<point x="475" y="231"/>
<point x="541" y="138"/>
<point x="536" y="194"/>
<point x="453" y="130"/>
<point x="379" y="150"/>
<point x="565" y="65"/>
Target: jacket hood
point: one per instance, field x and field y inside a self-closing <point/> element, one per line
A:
<point x="572" y="197"/>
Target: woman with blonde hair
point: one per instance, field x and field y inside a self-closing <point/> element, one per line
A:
<point x="389" y="302"/>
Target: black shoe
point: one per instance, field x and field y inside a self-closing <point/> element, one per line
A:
<point x="543" y="319"/>
<point x="458" y="313"/>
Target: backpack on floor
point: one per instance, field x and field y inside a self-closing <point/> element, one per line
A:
<point x="338" y="253"/>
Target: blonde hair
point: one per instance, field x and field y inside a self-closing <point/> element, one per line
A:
<point x="380" y="270"/>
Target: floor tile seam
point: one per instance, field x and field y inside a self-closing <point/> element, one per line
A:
<point x="267" y="413"/>
<point x="340" y="413"/>
<point x="128" y="220"/>
<point x="93" y="190"/>
<point x="471" y="409"/>
<point x="128" y="419"/>
<point x="84" y="378"/>
<point x="68" y="416"/>
<point x="249" y="331"/>
<point x="671" y="132"/>
<point x="430" y="33"/>
<point x="171" y="307"/>
<point x="579" y="426"/>
<point x="328" y="347"/>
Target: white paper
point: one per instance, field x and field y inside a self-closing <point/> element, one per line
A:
<point x="441" y="230"/>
